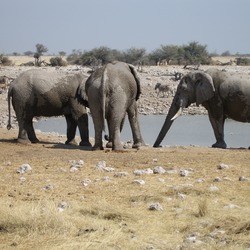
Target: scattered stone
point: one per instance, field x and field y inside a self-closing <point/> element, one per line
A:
<point x="222" y="166"/>
<point x="121" y="174"/>
<point x="24" y="168"/>
<point x="217" y="179"/>
<point x="155" y="160"/>
<point x="143" y="171"/>
<point x="181" y="196"/>
<point x="76" y="163"/>
<point x="48" y="187"/>
<point x="22" y="179"/>
<point x="85" y="182"/>
<point x="242" y="178"/>
<point x="109" y="169"/>
<point x="101" y="165"/>
<point x="200" y="180"/>
<point x="231" y="206"/>
<point x="213" y="188"/>
<point x="139" y="182"/>
<point x="62" y="206"/>
<point x="73" y="169"/>
<point x="159" y="170"/>
<point x="184" y="172"/>
<point x="155" y="206"/>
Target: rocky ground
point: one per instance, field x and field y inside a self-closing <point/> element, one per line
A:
<point x="149" y="103"/>
<point x="55" y="196"/>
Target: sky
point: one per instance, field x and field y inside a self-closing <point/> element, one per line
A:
<point x="67" y="25"/>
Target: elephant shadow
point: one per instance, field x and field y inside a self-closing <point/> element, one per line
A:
<point x="52" y="145"/>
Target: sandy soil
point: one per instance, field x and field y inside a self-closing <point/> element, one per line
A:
<point x="51" y="178"/>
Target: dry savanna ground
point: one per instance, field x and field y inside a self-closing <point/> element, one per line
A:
<point x="92" y="206"/>
<point x="54" y="196"/>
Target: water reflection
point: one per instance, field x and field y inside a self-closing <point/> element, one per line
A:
<point x="186" y="130"/>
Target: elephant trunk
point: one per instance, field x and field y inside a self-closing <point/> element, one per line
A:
<point x="174" y="112"/>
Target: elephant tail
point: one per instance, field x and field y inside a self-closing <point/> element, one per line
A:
<point x="9" y="96"/>
<point x="137" y="79"/>
<point x="104" y="85"/>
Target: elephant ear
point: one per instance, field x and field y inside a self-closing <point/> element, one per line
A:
<point x="204" y="87"/>
<point x="137" y="79"/>
<point x="82" y="95"/>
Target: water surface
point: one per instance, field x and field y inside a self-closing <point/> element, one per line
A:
<point x="186" y="130"/>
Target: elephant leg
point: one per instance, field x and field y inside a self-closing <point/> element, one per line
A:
<point x="71" y="130"/>
<point x="115" y="122"/>
<point x="134" y="124"/>
<point x="30" y="130"/>
<point x="98" y="126"/>
<point x="110" y="138"/>
<point x="26" y="132"/>
<point x="83" y="125"/>
<point x="22" y="134"/>
<point x="218" y="127"/>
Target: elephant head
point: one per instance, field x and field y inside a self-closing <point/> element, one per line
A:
<point x="194" y="87"/>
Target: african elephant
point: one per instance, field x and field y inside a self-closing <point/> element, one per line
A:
<point x="37" y="92"/>
<point x="111" y="92"/>
<point x="223" y="95"/>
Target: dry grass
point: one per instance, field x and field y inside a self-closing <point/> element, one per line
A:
<point x="114" y="214"/>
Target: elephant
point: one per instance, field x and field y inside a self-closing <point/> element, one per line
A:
<point x="222" y="94"/>
<point x="38" y="92"/>
<point x="112" y="91"/>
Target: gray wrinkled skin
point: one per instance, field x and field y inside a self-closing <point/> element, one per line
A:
<point x="222" y="94"/>
<point x="38" y="92"/>
<point x="112" y="91"/>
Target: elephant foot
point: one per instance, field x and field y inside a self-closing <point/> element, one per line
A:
<point x="97" y="148"/>
<point x="71" y="142"/>
<point x="138" y="145"/>
<point x="85" y="144"/>
<point x="220" y="145"/>
<point x="23" y="141"/>
<point x="34" y="140"/>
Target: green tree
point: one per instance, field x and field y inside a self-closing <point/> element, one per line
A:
<point x="40" y="49"/>
<point x="134" y="55"/>
<point x="195" y="53"/>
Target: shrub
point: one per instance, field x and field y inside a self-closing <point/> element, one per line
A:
<point x="5" y="61"/>
<point x="57" y="61"/>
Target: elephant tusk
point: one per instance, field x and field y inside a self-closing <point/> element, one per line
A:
<point x="179" y="112"/>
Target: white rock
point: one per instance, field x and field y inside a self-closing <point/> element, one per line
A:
<point x="85" y="182"/>
<point x="62" y="206"/>
<point x="100" y="165"/>
<point x="155" y="206"/>
<point x="24" y="168"/>
<point x="139" y="182"/>
<point x="242" y="178"/>
<point x="231" y="206"/>
<point x="184" y="172"/>
<point x="200" y="180"/>
<point x="121" y="174"/>
<point x="217" y="179"/>
<point x="73" y="169"/>
<point x="222" y="166"/>
<point x="159" y="170"/>
<point x="213" y="188"/>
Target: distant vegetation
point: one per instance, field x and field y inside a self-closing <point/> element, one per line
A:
<point x="189" y="54"/>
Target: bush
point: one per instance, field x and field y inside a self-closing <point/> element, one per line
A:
<point x="57" y="61"/>
<point x="5" y="61"/>
<point x="243" y="61"/>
